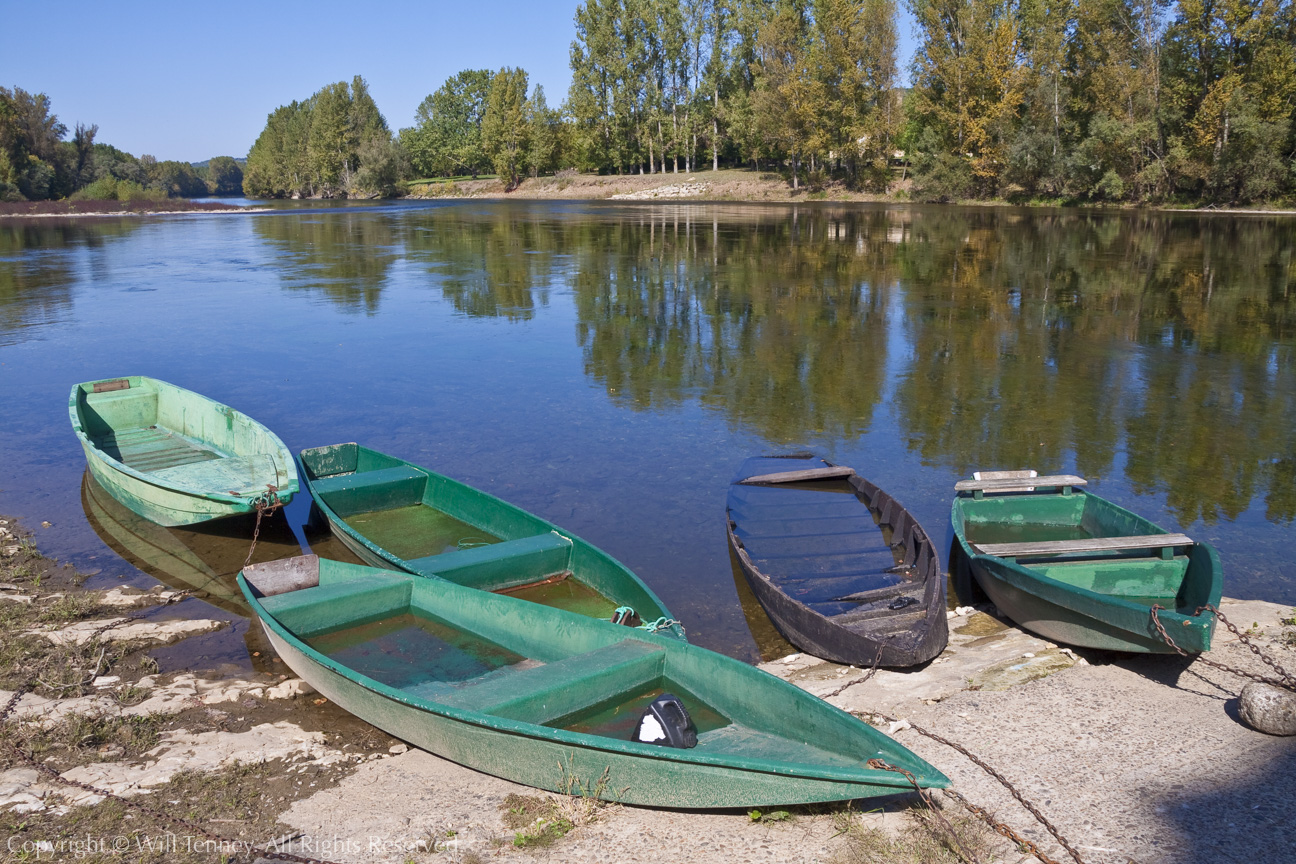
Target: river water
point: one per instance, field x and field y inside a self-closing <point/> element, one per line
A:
<point x="608" y="366"/>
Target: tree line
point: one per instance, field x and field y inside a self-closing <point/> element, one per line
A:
<point x="334" y="144"/>
<point x="1189" y="101"/>
<point x="39" y="163"/>
<point x="1067" y="100"/>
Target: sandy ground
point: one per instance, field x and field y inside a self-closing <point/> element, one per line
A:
<point x="706" y="185"/>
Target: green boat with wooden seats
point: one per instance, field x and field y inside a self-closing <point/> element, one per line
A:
<point x="394" y="514"/>
<point x="1075" y="568"/>
<point x="557" y="700"/>
<point x="176" y="457"/>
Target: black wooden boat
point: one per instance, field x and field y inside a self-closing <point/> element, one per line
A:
<point x="844" y="571"/>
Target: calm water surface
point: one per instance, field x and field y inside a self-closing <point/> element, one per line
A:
<point x="608" y="366"/>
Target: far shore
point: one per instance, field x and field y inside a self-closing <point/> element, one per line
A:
<point x="704" y="186"/>
<point x="75" y="209"/>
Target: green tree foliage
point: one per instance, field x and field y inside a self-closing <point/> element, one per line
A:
<point x="967" y="94"/>
<point x="545" y="135"/>
<point x="1231" y="96"/>
<point x="506" y="127"/>
<point x="224" y="176"/>
<point x="36" y="163"/>
<point x="319" y="148"/>
<point x="446" y="139"/>
<point x="1106" y="100"/>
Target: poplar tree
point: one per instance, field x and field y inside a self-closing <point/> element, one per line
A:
<point x="967" y="94"/>
<point x="505" y="130"/>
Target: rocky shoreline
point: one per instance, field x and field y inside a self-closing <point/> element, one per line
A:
<point x="1132" y="758"/>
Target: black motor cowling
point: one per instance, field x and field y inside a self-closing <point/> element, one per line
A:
<point x="667" y="722"/>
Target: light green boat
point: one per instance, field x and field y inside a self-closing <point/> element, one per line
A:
<point x="175" y="457"/>
<point x="1077" y="569"/>
<point x="552" y="699"/>
<point x="397" y="515"/>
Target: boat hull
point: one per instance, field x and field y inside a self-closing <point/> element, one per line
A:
<point x="922" y="637"/>
<point x="568" y="769"/>
<point x="1072" y="614"/>
<point x="545" y="713"/>
<point x="585" y="563"/>
<point x="202" y="460"/>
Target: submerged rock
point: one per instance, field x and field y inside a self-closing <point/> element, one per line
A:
<point x="1269" y="709"/>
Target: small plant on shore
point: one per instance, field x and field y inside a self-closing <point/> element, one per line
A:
<point x="539" y="821"/>
<point x="1289" y="629"/>
<point x="80" y="738"/>
<point x="925" y="839"/>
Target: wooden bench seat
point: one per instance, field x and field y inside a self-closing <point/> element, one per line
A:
<point x="1093" y="544"/>
<point x="799" y="476"/>
<point x="1018" y="484"/>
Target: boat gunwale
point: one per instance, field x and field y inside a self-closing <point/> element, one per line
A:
<point x="74" y="411"/>
<point x="1065" y="590"/>
<point x="929" y="628"/>
<point x="337" y="523"/>
<point x="589" y="741"/>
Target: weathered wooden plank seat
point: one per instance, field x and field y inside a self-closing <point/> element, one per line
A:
<point x="553" y="690"/>
<point x="497" y="566"/>
<point x="1092" y="544"/>
<point x="1018" y="484"/>
<point x="799" y="476"/>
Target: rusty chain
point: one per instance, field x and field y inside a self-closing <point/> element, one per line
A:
<point x="1285" y="679"/>
<point x="1003" y="781"/>
<point x="264" y="504"/>
<point x="927" y="799"/>
<point x="1001" y="828"/>
<point x="872" y="671"/>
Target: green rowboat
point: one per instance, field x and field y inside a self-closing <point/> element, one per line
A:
<point x="1077" y="569"/>
<point x="176" y="457"/>
<point x="551" y="699"/>
<point x="397" y="515"/>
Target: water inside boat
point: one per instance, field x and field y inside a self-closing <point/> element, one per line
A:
<point x="617" y="717"/>
<point x="1019" y="532"/>
<point x="567" y="593"/>
<point x="816" y="541"/>
<point x="418" y="531"/>
<point x="410" y="649"/>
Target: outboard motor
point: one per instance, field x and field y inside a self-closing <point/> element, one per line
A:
<point x="667" y="722"/>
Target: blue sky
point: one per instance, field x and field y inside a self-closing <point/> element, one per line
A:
<point x="188" y="81"/>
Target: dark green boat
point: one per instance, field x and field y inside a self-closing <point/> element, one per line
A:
<point x="1076" y="568"/>
<point x="397" y="515"/>
<point x="553" y="699"/>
